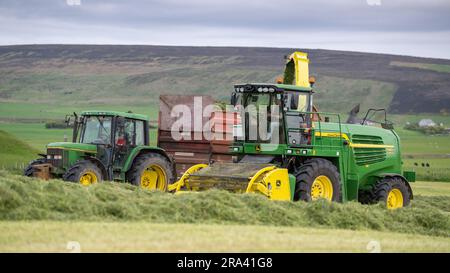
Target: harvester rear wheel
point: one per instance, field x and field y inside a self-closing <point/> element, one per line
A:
<point x="28" y="171"/>
<point x="392" y="191"/>
<point x="151" y="171"/>
<point x="84" y="172"/>
<point x="317" y="178"/>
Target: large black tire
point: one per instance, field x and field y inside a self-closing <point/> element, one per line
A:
<point x="28" y="171"/>
<point x="80" y="169"/>
<point x="307" y="173"/>
<point x="381" y="189"/>
<point x="142" y="163"/>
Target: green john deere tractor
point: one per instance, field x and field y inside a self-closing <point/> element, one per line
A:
<point x="286" y="151"/>
<point x="106" y="145"/>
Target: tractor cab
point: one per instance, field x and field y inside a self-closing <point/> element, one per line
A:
<point x="115" y="134"/>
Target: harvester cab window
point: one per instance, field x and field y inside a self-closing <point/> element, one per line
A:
<point x="96" y="130"/>
<point x="261" y="121"/>
<point x="298" y="101"/>
<point x="297" y="121"/>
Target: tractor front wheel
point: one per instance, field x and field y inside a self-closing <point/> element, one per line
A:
<point x="151" y="171"/>
<point x="392" y="191"/>
<point x="28" y="171"/>
<point x="317" y="178"/>
<point x="85" y="172"/>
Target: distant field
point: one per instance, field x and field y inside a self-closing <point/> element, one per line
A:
<point x="434" y="67"/>
<point x="38" y="112"/>
<point x="332" y="94"/>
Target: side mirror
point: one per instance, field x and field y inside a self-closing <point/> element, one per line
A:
<point x="387" y="126"/>
<point x="233" y="99"/>
<point x="67" y="120"/>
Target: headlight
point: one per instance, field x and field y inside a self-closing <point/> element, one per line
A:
<point x="236" y="149"/>
<point x="57" y="157"/>
<point x="260" y="89"/>
<point x="49" y="156"/>
<point x="265" y="89"/>
<point x="289" y="151"/>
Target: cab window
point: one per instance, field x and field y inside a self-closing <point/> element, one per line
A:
<point x="140" y="133"/>
<point x="298" y="101"/>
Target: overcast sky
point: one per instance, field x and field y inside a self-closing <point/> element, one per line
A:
<point x="407" y="27"/>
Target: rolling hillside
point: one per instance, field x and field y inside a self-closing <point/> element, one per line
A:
<point x="96" y="75"/>
<point x="14" y="152"/>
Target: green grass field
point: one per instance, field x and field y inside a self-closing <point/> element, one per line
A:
<point x="44" y="216"/>
<point x="14" y="152"/>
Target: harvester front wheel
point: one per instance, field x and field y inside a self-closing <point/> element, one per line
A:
<point x="317" y="178"/>
<point x="28" y="171"/>
<point x="84" y="172"/>
<point x="392" y="191"/>
<point x="151" y="172"/>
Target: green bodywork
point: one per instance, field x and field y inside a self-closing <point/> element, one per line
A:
<point x="363" y="154"/>
<point x="115" y="113"/>
<point x="73" y="152"/>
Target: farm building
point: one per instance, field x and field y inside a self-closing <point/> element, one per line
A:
<point x="426" y="123"/>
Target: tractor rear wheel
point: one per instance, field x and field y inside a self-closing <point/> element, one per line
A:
<point x="392" y="191"/>
<point x="151" y="171"/>
<point x="317" y="178"/>
<point x="84" y="172"/>
<point x="28" y="171"/>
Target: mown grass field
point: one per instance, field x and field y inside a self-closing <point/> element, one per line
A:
<point x="44" y="216"/>
<point x="52" y="236"/>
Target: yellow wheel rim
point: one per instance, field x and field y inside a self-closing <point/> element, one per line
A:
<point x="322" y="188"/>
<point x="88" y="178"/>
<point x="154" y="178"/>
<point x="394" y="199"/>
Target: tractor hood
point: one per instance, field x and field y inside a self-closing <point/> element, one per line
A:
<point x="79" y="147"/>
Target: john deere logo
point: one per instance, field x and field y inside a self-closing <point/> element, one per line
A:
<point x="258" y="148"/>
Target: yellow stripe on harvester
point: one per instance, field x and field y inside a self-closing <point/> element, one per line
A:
<point x="353" y="145"/>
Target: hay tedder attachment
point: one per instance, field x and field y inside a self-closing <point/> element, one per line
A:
<point x="266" y="179"/>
